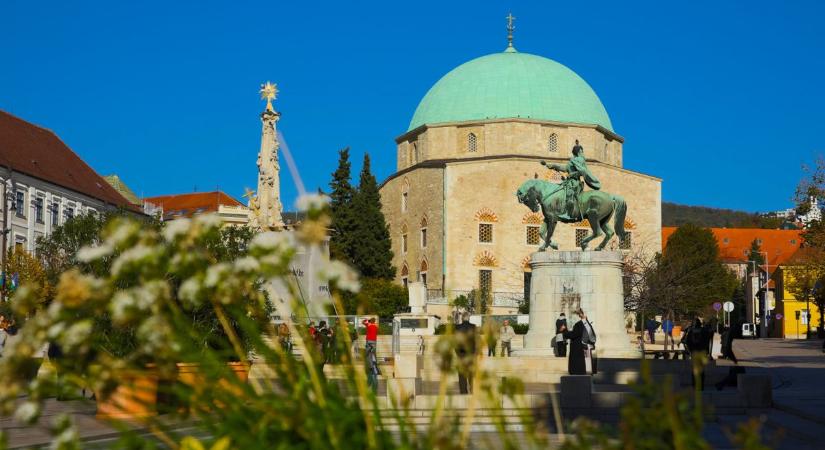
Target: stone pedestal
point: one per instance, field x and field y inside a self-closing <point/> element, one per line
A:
<point x="563" y="281"/>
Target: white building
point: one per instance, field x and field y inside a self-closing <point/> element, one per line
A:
<point x="44" y="183"/>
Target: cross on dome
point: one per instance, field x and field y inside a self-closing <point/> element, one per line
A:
<point x="269" y="91"/>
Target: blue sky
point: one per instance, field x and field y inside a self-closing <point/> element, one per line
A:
<point x="724" y="100"/>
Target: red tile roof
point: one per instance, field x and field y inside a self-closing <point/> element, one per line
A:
<point x="38" y="152"/>
<point x="735" y="243"/>
<point x="186" y="205"/>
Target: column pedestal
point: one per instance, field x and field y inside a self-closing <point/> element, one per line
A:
<point x="564" y="281"/>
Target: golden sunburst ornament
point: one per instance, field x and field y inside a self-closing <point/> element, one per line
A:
<point x="269" y="91"/>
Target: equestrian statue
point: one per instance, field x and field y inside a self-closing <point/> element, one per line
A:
<point x="569" y="203"/>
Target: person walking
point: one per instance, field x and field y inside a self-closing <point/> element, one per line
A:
<point x="322" y="337"/>
<point x="465" y="349"/>
<point x="490" y="337"/>
<point x="371" y="335"/>
<point x="667" y="329"/>
<point x="506" y="334"/>
<point x="727" y="344"/>
<point x="582" y="343"/>
<point x="284" y="338"/>
<point x="696" y="341"/>
<point x="651" y="326"/>
<point x="561" y="343"/>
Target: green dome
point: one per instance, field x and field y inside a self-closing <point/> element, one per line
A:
<point x="511" y="85"/>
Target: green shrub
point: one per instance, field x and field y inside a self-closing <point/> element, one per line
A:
<point x="521" y="328"/>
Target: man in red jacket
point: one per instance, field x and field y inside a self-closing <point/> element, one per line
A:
<point x="370" y="353"/>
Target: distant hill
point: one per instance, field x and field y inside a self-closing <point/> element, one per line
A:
<point x="674" y="215"/>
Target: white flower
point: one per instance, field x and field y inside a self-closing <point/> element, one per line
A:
<point x="272" y="240"/>
<point x="128" y="304"/>
<point x="247" y="264"/>
<point x="77" y="334"/>
<point x="175" y="228"/>
<point x="27" y="412"/>
<point x="189" y="291"/>
<point x="311" y="202"/>
<point x="216" y="274"/>
<point x="134" y="254"/>
<point x="211" y="220"/>
<point x="55" y="330"/>
<point x="125" y="230"/>
<point x="340" y="274"/>
<point x="93" y="253"/>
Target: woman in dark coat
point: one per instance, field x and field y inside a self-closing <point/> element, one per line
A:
<point x="576" y="364"/>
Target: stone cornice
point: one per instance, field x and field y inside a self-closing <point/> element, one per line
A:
<point x="442" y="163"/>
<point x="420" y="129"/>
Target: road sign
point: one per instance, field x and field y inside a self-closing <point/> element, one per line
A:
<point x="717" y="306"/>
<point x="728" y="306"/>
<point x="779" y="317"/>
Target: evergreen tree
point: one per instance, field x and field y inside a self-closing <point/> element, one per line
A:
<point x="372" y="246"/>
<point x="755" y="255"/>
<point x="689" y="276"/>
<point x="343" y="220"/>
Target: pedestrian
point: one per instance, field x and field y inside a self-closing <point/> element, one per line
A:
<point x="312" y="329"/>
<point x="667" y="329"/>
<point x="3" y="334"/>
<point x="371" y="335"/>
<point x="727" y="345"/>
<point x="696" y="342"/>
<point x="322" y="337"/>
<point x="710" y="332"/>
<point x="490" y="337"/>
<point x="465" y="349"/>
<point x="651" y="326"/>
<point x="561" y="343"/>
<point x="506" y="334"/>
<point x="284" y="338"/>
<point x="582" y="346"/>
<point x="371" y="362"/>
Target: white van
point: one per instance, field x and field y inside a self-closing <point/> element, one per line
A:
<point x="748" y="330"/>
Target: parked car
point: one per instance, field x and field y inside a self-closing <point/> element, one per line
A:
<point x="748" y="330"/>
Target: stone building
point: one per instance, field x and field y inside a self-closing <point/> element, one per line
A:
<point x="478" y="133"/>
<point x="44" y="183"/>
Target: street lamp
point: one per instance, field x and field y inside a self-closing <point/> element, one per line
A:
<point x="7" y="197"/>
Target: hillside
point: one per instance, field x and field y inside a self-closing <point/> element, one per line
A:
<point x="674" y="215"/>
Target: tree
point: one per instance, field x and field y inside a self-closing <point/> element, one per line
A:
<point x="58" y="250"/>
<point x="685" y="279"/>
<point x="343" y="218"/>
<point x="372" y="249"/>
<point x="380" y="297"/>
<point x="21" y="268"/>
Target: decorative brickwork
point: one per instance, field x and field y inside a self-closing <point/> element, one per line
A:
<point x="485" y="259"/>
<point x="532" y="218"/>
<point x="486" y="215"/>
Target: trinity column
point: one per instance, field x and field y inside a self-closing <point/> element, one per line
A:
<point x="266" y="205"/>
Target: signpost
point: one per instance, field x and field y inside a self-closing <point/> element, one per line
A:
<point x="728" y="306"/>
<point x="716" y="307"/>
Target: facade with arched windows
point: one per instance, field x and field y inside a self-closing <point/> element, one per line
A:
<point x="467" y="156"/>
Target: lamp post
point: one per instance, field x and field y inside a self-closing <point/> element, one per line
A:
<point x="764" y="328"/>
<point x="7" y="197"/>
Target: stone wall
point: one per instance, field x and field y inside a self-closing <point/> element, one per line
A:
<point x="507" y="137"/>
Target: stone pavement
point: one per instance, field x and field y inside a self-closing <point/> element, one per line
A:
<point x="797" y="369"/>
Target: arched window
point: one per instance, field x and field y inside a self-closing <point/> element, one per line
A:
<point x="404" y="242"/>
<point x="424" y="232"/>
<point x="472" y="142"/>
<point x="422" y="274"/>
<point x="405" y="274"/>
<point x="553" y="143"/>
<point x="415" y="153"/>
<point x="405" y="195"/>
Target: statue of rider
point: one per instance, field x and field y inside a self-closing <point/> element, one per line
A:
<point x="576" y="169"/>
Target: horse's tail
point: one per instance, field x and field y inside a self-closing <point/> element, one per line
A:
<point x="621" y="212"/>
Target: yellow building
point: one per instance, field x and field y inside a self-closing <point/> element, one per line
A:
<point x="790" y="282"/>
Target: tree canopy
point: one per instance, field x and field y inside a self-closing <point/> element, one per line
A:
<point x="341" y="245"/>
